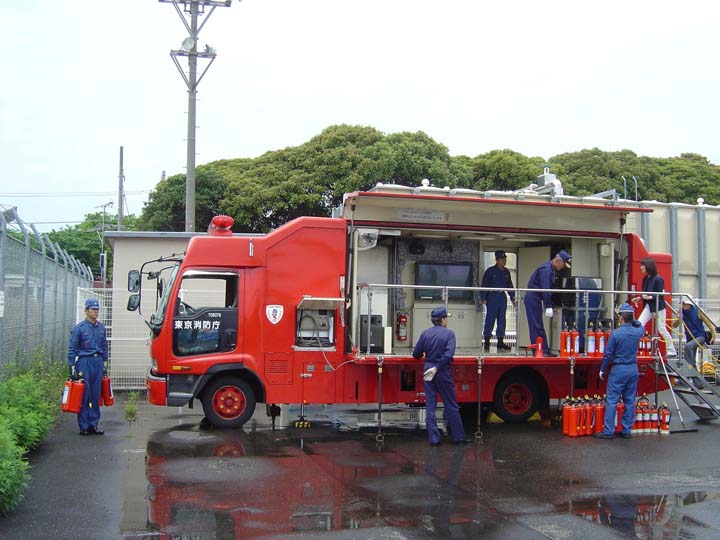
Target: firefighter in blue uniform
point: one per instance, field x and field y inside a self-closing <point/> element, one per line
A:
<point x="495" y="302"/>
<point x="694" y="323"/>
<point x="622" y="350"/>
<point x="543" y="278"/>
<point x="437" y="344"/>
<point x="87" y="359"/>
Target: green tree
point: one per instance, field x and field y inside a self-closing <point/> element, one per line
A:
<point x="675" y="179"/>
<point x="165" y="209"/>
<point x="310" y="179"/>
<point x="505" y="170"/>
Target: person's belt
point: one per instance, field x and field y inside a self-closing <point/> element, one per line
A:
<point x="94" y="355"/>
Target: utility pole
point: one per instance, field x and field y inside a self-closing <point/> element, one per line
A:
<point x="193" y="9"/>
<point x="103" y="257"/>
<point x="121" y="193"/>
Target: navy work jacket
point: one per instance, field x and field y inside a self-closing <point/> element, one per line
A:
<point x="87" y="340"/>
<point x="497" y="278"/>
<point x="543" y="278"/>
<point x="438" y="344"/>
<point x="694" y="327"/>
<point x="622" y="346"/>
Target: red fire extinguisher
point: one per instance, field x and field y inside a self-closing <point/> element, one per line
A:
<point x="654" y="419"/>
<point x="582" y="417"/>
<point x="601" y="340"/>
<point x="637" y="425"/>
<point x="599" y="415"/>
<point x="647" y="345"/>
<point x="106" y="395"/>
<point x="664" y="417"/>
<point x="646" y="424"/>
<point x="565" y="343"/>
<point x="591" y="340"/>
<point x="72" y="396"/>
<point x="590" y="416"/>
<point x="401" y="326"/>
<point x="573" y="419"/>
<point x="619" y="411"/>
<point x="567" y="403"/>
<point x="575" y="339"/>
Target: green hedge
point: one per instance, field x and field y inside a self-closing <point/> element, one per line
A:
<point x="29" y="406"/>
<point x="13" y="470"/>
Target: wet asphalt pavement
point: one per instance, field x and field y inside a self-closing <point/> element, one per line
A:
<point x="168" y="476"/>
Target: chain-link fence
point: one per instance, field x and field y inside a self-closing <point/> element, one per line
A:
<point x="39" y="284"/>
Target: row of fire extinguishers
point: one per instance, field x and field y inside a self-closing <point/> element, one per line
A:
<point x="597" y="340"/>
<point x="73" y="392"/>
<point x="585" y="416"/>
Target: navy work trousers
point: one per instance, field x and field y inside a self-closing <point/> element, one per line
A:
<point x="90" y="368"/>
<point x="442" y="384"/>
<point x="534" y="310"/>
<point x="495" y="309"/>
<point x="622" y="382"/>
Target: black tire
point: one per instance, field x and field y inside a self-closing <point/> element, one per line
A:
<point x="517" y="397"/>
<point x="228" y="402"/>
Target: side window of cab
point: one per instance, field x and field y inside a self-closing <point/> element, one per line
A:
<point x="205" y="320"/>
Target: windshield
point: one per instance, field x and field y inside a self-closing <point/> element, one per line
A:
<point x="158" y="317"/>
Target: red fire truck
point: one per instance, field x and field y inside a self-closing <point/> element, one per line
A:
<point x="327" y="310"/>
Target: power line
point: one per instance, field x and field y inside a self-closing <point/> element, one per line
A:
<point x="54" y="222"/>
<point x="70" y="193"/>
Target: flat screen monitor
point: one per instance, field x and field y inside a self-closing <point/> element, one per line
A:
<point x="443" y="274"/>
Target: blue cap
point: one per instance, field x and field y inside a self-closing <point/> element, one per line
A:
<point x="626" y="308"/>
<point x="439" y="313"/>
<point x="92" y="303"/>
<point x="500" y="254"/>
<point x="565" y="256"/>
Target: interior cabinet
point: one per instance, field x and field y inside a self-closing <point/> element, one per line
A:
<point x="464" y="322"/>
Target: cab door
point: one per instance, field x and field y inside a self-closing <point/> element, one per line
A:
<point x="206" y="316"/>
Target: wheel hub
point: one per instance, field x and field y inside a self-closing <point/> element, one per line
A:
<point x="229" y="402"/>
<point x="517" y="398"/>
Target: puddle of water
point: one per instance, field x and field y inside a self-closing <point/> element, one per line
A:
<point x="644" y="516"/>
<point x="229" y="484"/>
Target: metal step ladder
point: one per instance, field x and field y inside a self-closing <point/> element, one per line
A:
<point x="705" y="403"/>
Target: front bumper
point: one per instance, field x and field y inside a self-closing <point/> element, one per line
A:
<point x="156" y="388"/>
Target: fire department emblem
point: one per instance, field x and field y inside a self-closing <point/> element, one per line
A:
<point x="274" y="313"/>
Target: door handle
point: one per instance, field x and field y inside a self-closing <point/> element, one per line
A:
<point x="230" y="339"/>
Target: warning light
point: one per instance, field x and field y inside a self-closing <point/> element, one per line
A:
<point x="221" y="226"/>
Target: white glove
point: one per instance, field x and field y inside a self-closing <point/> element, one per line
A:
<point x="429" y="373"/>
<point x="549" y="312"/>
<point x="602" y="376"/>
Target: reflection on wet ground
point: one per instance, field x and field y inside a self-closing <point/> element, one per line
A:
<point x="327" y="482"/>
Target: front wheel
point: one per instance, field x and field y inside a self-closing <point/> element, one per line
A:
<point x="228" y="402"/>
<point x="517" y="397"/>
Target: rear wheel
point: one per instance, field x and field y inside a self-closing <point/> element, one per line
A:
<point x="517" y="398"/>
<point x="228" y="402"/>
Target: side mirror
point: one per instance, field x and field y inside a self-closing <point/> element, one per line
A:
<point x="160" y="287"/>
<point x="133" y="302"/>
<point x="133" y="281"/>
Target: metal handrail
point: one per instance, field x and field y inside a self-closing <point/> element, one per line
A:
<point x="445" y="289"/>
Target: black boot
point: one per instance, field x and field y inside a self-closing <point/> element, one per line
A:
<point x="502" y="346"/>
<point x="486" y="347"/>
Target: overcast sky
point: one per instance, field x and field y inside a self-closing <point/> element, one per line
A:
<point x="82" y="78"/>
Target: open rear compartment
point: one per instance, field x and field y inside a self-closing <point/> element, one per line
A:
<point x="402" y="269"/>
<point x="413" y="249"/>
